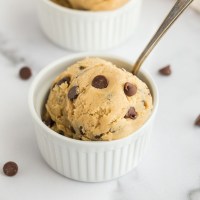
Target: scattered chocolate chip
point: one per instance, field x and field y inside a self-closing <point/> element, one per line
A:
<point x="63" y="80"/>
<point x="130" y="89"/>
<point x="10" y="169"/>
<point x="49" y="122"/>
<point x="132" y="114"/>
<point x="100" y="82"/>
<point x="197" y="122"/>
<point x="73" y="93"/>
<point x="25" y="73"/>
<point x="166" y="71"/>
<point x="98" y="136"/>
<point x="82" y="67"/>
<point x="61" y="132"/>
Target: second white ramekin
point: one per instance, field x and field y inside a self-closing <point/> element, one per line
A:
<point x="196" y="5"/>
<point x="86" y="30"/>
<point x="87" y="161"/>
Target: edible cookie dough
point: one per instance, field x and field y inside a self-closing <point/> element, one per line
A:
<point x="95" y="100"/>
<point x="93" y="5"/>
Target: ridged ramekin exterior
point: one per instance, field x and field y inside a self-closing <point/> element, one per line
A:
<point x="88" y="31"/>
<point x="92" y="163"/>
<point x="87" y="161"/>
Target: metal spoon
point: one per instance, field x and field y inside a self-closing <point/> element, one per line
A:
<point x="175" y="12"/>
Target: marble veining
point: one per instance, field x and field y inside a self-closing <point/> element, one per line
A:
<point x="10" y="52"/>
<point x="194" y="194"/>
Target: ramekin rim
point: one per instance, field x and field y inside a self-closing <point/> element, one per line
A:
<point x="71" y="140"/>
<point x="82" y="12"/>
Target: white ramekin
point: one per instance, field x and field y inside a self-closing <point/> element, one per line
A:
<point x="86" y="30"/>
<point x="87" y="161"/>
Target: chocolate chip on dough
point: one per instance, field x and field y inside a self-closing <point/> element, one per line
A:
<point x="132" y="114"/>
<point x="49" y="122"/>
<point x="99" y="136"/>
<point x="73" y="93"/>
<point x="63" y="80"/>
<point x="100" y="82"/>
<point x="130" y="89"/>
<point x="82" y="67"/>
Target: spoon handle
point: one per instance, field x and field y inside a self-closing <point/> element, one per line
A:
<point x="174" y="13"/>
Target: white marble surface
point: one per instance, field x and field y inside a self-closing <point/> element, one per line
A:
<point x="171" y="168"/>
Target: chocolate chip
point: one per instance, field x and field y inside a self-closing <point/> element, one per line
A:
<point x="130" y="89"/>
<point x="61" y="132"/>
<point x="81" y="130"/>
<point x="100" y="82"/>
<point x="197" y="122"/>
<point x="63" y="80"/>
<point x="49" y="122"/>
<point x="10" y="169"/>
<point x="132" y="114"/>
<point x="72" y="129"/>
<point x="73" y="93"/>
<point x="25" y="73"/>
<point x="166" y="71"/>
<point x="98" y="136"/>
<point x="82" y="67"/>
